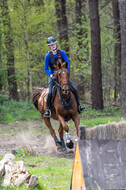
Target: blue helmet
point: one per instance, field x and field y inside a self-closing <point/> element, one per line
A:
<point x="51" y="40"/>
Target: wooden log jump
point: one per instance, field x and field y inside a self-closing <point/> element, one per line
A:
<point x="100" y="158"/>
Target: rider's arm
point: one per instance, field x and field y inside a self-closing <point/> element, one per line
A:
<point x="47" y="65"/>
<point x="65" y="58"/>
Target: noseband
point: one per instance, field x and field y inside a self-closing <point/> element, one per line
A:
<point x="62" y="85"/>
<point x="63" y="92"/>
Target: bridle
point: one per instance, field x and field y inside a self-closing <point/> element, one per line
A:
<point x="63" y="91"/>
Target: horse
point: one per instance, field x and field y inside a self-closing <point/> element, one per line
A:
<point x="63" y="109"/>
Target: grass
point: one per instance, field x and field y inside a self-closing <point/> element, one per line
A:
<point x="11" y="112"/>
<point x="52" y="173"/>
<point x="93" y="117"/>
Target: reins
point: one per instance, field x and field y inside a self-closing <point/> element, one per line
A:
<point x="63" y="101"/>
<point x="60" y="86"/>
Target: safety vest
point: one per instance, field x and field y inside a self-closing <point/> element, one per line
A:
<point x="53" y="60"/>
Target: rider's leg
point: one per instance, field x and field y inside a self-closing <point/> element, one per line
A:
<point x="51" y="84"/>
<point x="74" y="90"/>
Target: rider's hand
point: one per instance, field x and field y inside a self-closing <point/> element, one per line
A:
<point x="52" y="76"/>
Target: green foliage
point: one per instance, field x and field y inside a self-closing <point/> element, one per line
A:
<point x="12" y="111"/>
<point x="40" y="22"/>
<point x="19" y="152"/>
<point x="93" y="117"/>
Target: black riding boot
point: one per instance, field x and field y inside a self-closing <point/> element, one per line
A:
<point x="74" y="90"/>
<point x="80" y="109"/>
<point x="48" y="112"/>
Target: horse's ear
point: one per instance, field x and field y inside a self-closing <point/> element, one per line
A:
<point x="59" y="64"/>
<point x="66" y="65"/>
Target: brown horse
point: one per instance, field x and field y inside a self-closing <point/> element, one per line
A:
<point x="64" y="106"/>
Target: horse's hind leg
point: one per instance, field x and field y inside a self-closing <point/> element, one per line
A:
<point x="61" y="137"/>
<point x="52" y="132"/>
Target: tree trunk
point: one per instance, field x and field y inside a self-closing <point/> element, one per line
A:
<point x="0" y="58"/>
<point x="29" y="81"/>
<point x="9" y="50"/>
<point x="97" y="94"/>
<point x="78" y="11"/>
<point x="62" y="24"/>
<point x="123" y="54"/>
<point x="117" y="68"/>
<point x="81" y="34"/>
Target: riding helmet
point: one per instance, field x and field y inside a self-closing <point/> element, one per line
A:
<point x="51" y="40"/>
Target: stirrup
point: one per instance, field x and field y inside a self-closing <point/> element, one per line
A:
<point x="47" y="113"/>
<point x="80" y="110"/>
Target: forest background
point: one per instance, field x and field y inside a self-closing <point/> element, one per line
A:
<point x="90" y="31"/>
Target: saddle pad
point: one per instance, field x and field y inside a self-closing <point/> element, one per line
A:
<point x="43" y="97"/>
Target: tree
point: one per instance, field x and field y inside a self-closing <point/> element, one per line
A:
<point x="117" y="52"/>
<point x="38" y="2"/>
<point x="29" y="81"/>
<point x="78" y="11"/>
<point x="97" y="96"/>
<point x="62" y="24"/>
<point x="9" y="50"/>
<point x="82" y="45"/>
<point x="123" y="54"/>
<point x="0" y="57"/>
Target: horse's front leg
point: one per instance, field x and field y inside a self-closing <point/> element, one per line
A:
<point x="61" y="133"/>
<point x="69" y="142"/>
<point x="76" y="120"/>
<point x="52" y="132"/>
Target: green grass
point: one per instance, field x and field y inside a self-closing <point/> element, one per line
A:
<point x="12" y="111"/>
<point x="52" y="173"/>
<point x="93" y="117"/>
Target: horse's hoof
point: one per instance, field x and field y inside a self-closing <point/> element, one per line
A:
<point x="70" y="145"/>
<point x="64" y="149"/>
<point x="59" y="146"/>
<point x="59" y="149"/>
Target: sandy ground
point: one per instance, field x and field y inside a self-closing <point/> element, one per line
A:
<point x="34" y="137"/>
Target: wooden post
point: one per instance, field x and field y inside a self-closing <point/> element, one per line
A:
<point x="82" y="130"/>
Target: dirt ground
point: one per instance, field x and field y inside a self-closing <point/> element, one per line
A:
<point x="34" y="137"/>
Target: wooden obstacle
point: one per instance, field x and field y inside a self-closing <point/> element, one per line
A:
<point x="100" y="158"/>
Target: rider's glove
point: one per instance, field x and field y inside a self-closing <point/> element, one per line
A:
<point x="52" y="76"/>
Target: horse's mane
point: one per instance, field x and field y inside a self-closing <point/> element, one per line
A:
<point x="60" y="65"/>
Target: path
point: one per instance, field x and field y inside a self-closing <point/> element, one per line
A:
<point x="32" y="136"/>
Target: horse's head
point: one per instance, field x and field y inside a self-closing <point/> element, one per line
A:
<point x="63" y="76"/>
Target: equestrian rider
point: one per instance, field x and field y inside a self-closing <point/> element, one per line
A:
<point x="50" y="59"/>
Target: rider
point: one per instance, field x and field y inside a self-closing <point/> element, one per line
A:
<point x="50" y="59"/>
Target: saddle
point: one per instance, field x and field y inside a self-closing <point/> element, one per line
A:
<point x="53" y="94"/>
<point x="45" y="94"/>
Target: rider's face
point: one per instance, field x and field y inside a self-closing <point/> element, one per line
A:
<point x="53" y="47"/>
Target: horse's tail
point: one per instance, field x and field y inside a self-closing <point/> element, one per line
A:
<point x="35" y="96"/>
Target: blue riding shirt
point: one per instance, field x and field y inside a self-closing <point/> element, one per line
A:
<point x="48" y="62"/>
